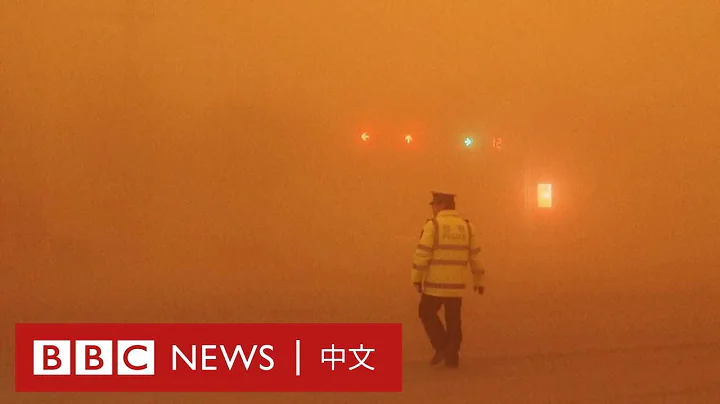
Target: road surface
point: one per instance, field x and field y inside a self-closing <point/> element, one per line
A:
<point x="524" y="342"/>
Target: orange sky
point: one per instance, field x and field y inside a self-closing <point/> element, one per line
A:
<point x="154" y="120"/>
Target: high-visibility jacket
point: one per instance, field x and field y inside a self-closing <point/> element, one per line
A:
<point x="448" y="247"/>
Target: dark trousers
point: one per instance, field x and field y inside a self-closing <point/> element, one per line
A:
<point x="447" y="339"/>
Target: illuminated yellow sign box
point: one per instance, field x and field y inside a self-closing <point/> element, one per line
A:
<point x="544" y="195"/>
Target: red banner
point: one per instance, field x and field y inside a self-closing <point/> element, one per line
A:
<point x="208" y="358"/>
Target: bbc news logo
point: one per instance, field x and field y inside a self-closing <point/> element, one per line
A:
<point x="122" y="358"/>
<point x="208" y="357"/>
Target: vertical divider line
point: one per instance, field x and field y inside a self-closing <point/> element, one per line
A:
<point x="297" y="357"/>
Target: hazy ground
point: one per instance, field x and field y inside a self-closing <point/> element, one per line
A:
<point x="528" y="340"/>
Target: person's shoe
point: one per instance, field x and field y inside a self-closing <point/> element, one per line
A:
<point x="437" y="359"/>
<point x="452" y="361"/>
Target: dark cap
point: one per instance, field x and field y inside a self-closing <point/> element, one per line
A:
<point x="442" y="197"/>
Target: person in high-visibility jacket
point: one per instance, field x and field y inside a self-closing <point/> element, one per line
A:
<point x="448" y="247"/>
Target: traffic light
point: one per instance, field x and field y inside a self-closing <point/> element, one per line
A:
<point x="365" y="137"/>
<point x="408" y="139"/>
<point x="468" y="141"/>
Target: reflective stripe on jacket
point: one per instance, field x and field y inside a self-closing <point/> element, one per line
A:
<point x="448" y="247"/>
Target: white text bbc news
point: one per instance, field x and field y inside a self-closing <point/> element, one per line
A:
<point x="134" y="357"/>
